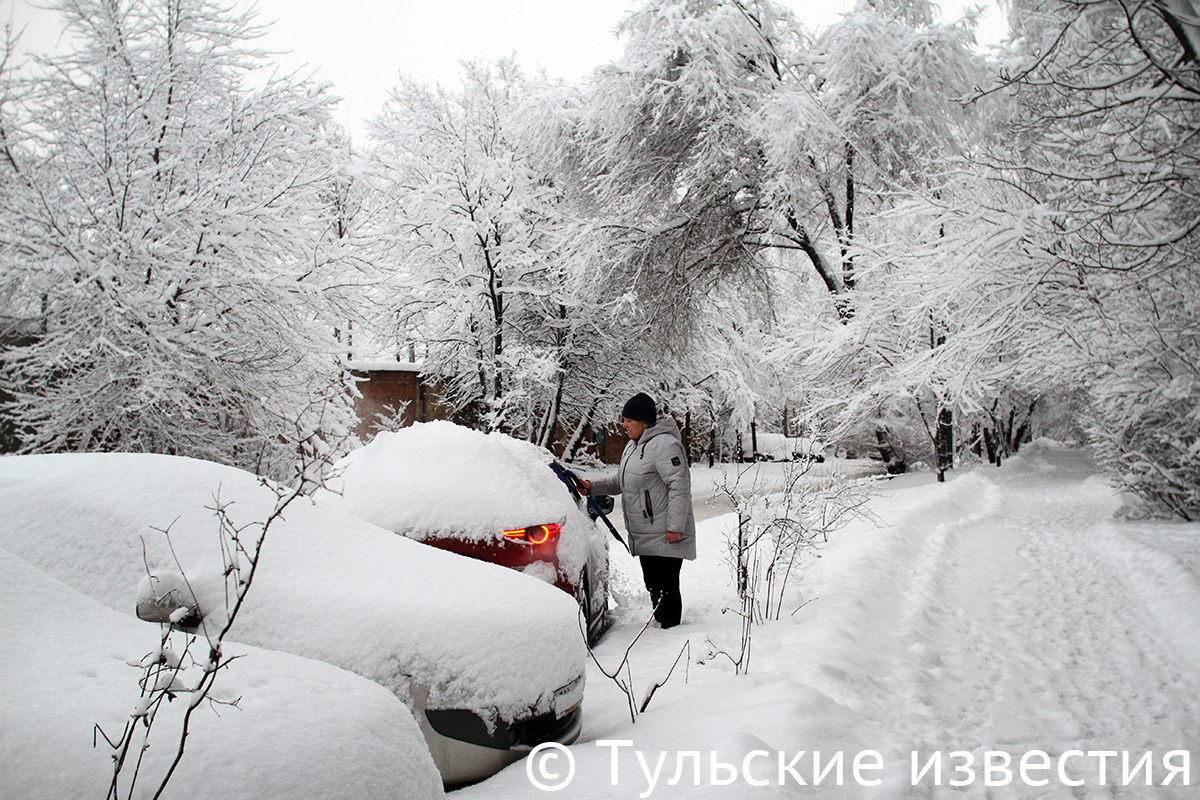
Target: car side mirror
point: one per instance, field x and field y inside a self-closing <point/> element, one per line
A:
<point x="166" y="598"/>
<point x="604" y="502"/>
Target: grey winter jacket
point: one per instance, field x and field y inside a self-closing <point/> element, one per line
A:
<point x="656" y="492"/>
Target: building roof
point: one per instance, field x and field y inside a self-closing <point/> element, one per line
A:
<point x="384" y="366"/>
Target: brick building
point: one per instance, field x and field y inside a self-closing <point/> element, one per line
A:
<point x="394" y="394"/>
<point x="398" y="394"/>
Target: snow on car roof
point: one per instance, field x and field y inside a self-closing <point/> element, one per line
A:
<point x="438" y="476"/>
<point x="301" y="728"/>
<point x="330" y="586"/>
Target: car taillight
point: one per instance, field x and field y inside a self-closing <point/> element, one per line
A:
<point x="535" y="534"/>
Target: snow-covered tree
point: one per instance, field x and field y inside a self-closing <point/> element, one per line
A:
<point x="480" y="251"/>
<point x="659" y="150"/>
<point x="945" y="319"/>
<point x="880" y="116"/>
<point x="1061" y="258"/>
<point x="1103" y="147"/>
<point x="161" y="231"/>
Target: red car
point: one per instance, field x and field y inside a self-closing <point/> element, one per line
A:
<point x="486" y="496"/>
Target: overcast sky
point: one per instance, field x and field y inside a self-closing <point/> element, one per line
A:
<point x="362" y="46"/>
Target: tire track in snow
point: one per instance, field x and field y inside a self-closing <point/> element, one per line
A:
<point x="1025" y="637"/>
<point x="1168" y="586"/>
<point x="877" y="590"/>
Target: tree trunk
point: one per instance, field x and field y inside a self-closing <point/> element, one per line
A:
<point x="551" y="424"/>
<point x="848" y="276"/>
<point x="944" y="441"/>
<point x="989" y="442"/>
<point x="572" y="445"/>
<point x="893" y="459"/>
<point x="687" y="435"/>
<point x="1021" y="434"/>
<point x="943" y="435"/>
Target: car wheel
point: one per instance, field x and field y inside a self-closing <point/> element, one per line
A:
<point x="585" y="604"/>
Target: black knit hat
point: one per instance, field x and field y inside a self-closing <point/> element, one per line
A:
<point x="641" y="408"/>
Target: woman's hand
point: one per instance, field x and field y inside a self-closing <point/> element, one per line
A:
<point x="674" y="537"/>
<point x="586" y="486"/>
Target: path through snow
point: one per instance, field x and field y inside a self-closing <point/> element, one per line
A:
<point x="1002" y="612"/>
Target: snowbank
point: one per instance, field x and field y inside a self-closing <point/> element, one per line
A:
<point x="301" y="728"/>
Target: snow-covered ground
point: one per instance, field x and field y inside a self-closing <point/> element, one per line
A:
<point x="711" y="485"/>
<point x="1001" y="619"/>
<point x="1003" y="625"/>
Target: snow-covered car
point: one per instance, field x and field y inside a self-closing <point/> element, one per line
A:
<point x="777" y="447"/>
<point x="491" y="663"/>
<point x="301" y="728"/>
<point x="484" y="495"/>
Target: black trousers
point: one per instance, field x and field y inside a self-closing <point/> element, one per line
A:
<point x="661" y="575"/>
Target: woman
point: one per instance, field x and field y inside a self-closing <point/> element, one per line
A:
<point x="656" y="497"/>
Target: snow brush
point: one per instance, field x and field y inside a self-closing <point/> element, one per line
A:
<point x="576" y="486"/>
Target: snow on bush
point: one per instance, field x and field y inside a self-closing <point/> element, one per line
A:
<point x="301" y="728"/>
<point x="1146" y="399"/>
